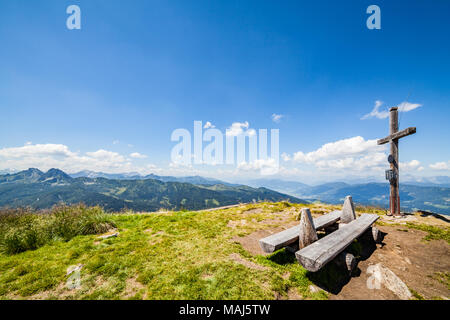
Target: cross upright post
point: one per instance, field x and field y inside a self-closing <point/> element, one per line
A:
<point x="395" y="192"/>
<point x="393" y="174"/>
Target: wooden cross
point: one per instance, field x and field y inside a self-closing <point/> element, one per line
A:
<point x="393" y="174"/>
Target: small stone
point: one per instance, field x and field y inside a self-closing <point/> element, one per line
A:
<point x="313" y="289"/>
<point x="72" y="269"/>
<point x="107" y="236"/>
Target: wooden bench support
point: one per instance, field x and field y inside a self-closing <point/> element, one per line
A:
<point x="372" y="234"/>
<point x="307" y="234"/>
<point x="348" y="210"/>
<point x="316" y="255"/>
<point x="290" y="236"/>
<point x="346" y="259"/>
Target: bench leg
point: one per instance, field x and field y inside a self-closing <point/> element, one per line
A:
<point x="372" y="234"/>
<point x="346" y="259"/>
<point x="308" y="232"/>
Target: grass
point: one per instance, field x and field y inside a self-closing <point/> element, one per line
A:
<point x="442" y="277"/>
<point x="416" y="295"/>
<point x="162" y="255"/>
<point x="23" y="229"/>
<point x="434" y="233"/>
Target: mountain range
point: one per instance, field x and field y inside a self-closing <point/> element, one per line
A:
<point x="41" y="190"/>
<point x="427" y="195"/>
<point x="115" y="192"/>
<point x="137" y="176"/>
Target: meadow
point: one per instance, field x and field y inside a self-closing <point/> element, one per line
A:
<point x="159" y="255"/>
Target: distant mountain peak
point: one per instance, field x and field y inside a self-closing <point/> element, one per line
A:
<point x="32" y="171"/>
<point x="55" y="176"/>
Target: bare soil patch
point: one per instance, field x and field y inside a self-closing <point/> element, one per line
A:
<point x="238" y="259"/>
<point x="251" y="241"/>
<point x="252" y="211"/>
<point x="132" y="287"/>
<point x="413" y="260"/>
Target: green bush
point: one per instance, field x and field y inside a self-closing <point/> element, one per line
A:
<point x="23" y="229"/>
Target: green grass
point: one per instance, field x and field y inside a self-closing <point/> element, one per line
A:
<point x="163" y="255"/>
<point x="442" y="277"/>
<point x="434" y="233"/>
<point x="416" y="295"/>
<point x="22" y="230"/>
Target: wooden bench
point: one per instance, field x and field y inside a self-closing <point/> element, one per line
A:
<point x="314" y="256"/>
<point x="290" y="236"/>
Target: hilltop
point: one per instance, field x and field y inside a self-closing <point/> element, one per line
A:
<point x="214" y="254"/>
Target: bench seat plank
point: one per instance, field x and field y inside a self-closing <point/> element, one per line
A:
<point x="286" y="237"/>
<point x="316" y="255"/>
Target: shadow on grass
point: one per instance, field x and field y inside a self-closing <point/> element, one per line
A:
<point x="282" y="257"/>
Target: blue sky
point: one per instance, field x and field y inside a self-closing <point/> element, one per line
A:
<point x="138" y="70"/>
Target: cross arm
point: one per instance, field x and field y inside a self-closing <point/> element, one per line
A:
<point x="397" y="135"/>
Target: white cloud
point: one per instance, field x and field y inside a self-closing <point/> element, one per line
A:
<point x="46" y="156"/>
<point x="237" y="128"/>
<point x="368" y="162"/>
<point x="265" y="166"/>
<point x="383" y="114"/>
<point x="116" y="142"/>
<point x="413" y="165"/>
<point x="285" y="157"/>
<point x="277" y="117"/>
<point x="208" y="125"/>
<point x="105" y="155"/>
<point x="406" y="106"/>
<point x="355" y="146"/>
<point x="137" y="155"/>
<point x="376" y="112"/>
<point x="348" y="155"/>
<point x="38" y="149"/>
<point x="440" y="166"/>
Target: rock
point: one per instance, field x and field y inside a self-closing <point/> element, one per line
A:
<point x="73" y="269"/>
<point x="380" y="275"/>
<point x="107" y="236"/>
<point x="313" y="289"/>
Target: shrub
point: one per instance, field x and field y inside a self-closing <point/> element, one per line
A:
<point x="23" y="229"/>
<point x="71" y="221"/>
